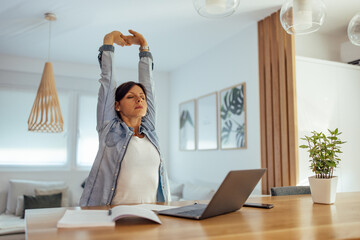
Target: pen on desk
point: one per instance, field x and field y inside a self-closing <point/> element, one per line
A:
<point x="109" y="212"/>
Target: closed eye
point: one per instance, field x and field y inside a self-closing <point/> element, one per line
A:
<point x="132" y="96"/>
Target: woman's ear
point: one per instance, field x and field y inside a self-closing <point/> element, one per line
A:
<point x="117" y="106"/>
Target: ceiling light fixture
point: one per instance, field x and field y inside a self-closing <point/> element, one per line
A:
<point x="302" y="16"/>
<point x="216" y="8"/>
<point x="354" y="30"/>
<point x="45" y="115"/>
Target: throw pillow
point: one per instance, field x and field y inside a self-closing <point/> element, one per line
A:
<point x="25" y="187"/>
<point x="19" y="206"/>
<point x="63" y="190"/>
<point x="41" y="201"/>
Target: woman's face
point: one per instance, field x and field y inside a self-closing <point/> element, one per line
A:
<point x="133" y="104"/>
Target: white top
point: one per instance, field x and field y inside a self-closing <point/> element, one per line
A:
<point x="139" y="175"/>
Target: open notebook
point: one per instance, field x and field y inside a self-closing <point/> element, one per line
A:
<point x="107" y="218"/>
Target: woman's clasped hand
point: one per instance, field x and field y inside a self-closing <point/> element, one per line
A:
<point x="125" y="40"/>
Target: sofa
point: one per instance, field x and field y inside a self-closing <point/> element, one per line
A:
<point x="185" y="191"/>
<point x="28" y="194"/>
<point x="12" y="225"/>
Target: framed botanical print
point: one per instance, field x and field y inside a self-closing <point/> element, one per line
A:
<point x="233" y="117"/>
<point x="187" y="125"/>
<point x="207" y="124"/>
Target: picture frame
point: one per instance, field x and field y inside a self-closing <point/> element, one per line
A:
<point x="207" y="122"/>
<point x="187" y="126"/>
<point x="233" y="129"/>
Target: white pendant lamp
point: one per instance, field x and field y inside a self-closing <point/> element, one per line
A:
<point x="302" y="16"/>
<point x="216" y="8"/>
<point x="354" y="30"/>
<point x="45" y="115"/>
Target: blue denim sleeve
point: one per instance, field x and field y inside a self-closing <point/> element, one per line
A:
<point x="146" y="78"/>
<point x="106" y="95"/>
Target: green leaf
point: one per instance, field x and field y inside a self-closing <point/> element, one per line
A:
<point x="184" y="118"/>
<point x="233" y="102"/>
<point x="226" y="130"/>
<point x="240" y="135"/>
<point x="322" y="151"/>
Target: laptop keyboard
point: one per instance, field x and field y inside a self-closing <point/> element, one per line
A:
<point x="194" y="212"/>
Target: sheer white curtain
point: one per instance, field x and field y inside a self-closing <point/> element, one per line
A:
<point x="18" y="146"/>
<point x="87" y="142"/>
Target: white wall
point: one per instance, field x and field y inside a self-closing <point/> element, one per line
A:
<point x="20" y="72"/>
<point x="349" y="52"/>
<point x="232" y="62"/>
<point x="320" y="46"/>
<point x="336" y="48"/>
<point x="328" y="98"/>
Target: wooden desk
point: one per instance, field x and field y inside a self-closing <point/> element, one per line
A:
<point x="293" y="217"/>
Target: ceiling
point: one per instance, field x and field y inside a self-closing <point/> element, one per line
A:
<point x="174" y="30"/>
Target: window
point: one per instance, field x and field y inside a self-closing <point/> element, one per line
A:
<point x="88" y="142"/>
<point x="18" y="146"/>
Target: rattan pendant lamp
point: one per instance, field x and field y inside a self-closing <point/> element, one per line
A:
<point x="46" y="114"/>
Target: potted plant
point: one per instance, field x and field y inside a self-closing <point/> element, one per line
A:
<point x="323" y="152"/>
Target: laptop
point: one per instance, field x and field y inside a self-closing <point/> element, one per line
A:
<point x="230" y="196"/>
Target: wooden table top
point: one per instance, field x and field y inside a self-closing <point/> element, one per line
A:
<point x="293" y="217"/>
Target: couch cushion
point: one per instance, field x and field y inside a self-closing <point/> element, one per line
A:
<point x="3" y="199"/>
<point x="25" y="187"/>
<point x="197" y="192"/>
<point x="64" y="198"/>
<point x="19" y="206"/>
<point x="62" y="190"/>
<point x="175" y="198"/>
<point x="10" y="224"/>
<point x="42" y="201"/>
<point x="176" y="189"/>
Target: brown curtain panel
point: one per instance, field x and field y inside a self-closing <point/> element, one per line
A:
<point x="278" y="120"/>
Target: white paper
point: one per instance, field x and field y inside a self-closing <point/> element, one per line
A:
<point x="101" y="218"/>
<point x="126" y="210"/>
<point x="85" y="218"/>
<point x="155" y="207"/>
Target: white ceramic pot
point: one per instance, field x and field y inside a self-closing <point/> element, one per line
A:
<point x="323" y="190"/>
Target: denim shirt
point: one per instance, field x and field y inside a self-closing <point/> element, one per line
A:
<point x="114" y="134"/>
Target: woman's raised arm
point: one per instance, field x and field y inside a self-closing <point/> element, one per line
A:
<point x="145" y="69"/>
<point x="106" y="96"/>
